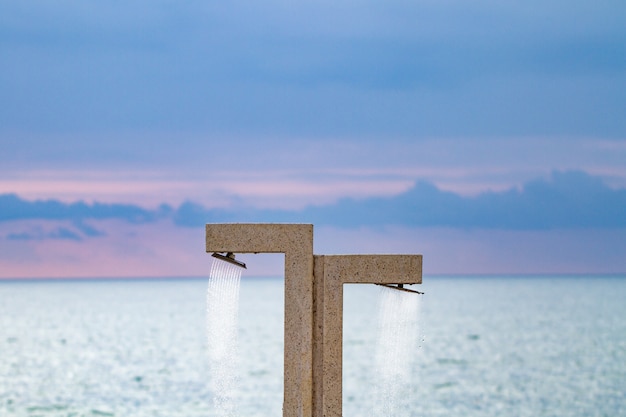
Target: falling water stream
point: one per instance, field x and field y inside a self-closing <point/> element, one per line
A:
<point x="222" y="311"/>
<point x="397" y="345"/>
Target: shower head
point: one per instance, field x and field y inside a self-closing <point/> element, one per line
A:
<point x="400" y="287"/>
<point x="230" y="258"/>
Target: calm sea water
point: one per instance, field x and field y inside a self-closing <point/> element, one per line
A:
<point x="549" y="346"/>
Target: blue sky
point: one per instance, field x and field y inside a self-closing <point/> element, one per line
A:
<point x="488" y="136"/>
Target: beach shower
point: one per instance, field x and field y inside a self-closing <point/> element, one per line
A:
<point x="401" y="288"/>
<point x="313" y="316"/>
<point x="222" y="308"/>
<point x="230" y="258"/>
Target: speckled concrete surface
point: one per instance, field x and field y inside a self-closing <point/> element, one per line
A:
<point x="331" y="273"/>
<point x="313" y="304"/>
<point x="296" y="242"/>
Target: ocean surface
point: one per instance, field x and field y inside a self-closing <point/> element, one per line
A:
<point x="492" y="346"/>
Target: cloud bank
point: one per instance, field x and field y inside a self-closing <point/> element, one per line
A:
<point x="12" y="207"/>
<point x="565" y="200"/>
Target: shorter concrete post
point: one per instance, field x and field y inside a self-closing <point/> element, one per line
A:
<point x="330" y="273"/>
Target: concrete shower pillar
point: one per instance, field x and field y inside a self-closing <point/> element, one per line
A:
<point x="296" y="242"/>
<point x="331" y="273"/>
<point x="313" y="305"/>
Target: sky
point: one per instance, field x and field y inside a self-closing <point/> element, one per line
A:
<point x="488" y="136"/>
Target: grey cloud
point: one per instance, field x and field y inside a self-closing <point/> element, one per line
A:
<point x="566" y="200"/>
<point x="12" y="207"/>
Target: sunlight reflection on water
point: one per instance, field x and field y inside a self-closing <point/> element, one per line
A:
<point x="493" y="347"/>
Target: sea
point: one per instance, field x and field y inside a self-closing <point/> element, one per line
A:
<point x="487" y="346"/>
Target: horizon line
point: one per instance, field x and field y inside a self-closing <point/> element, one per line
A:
<point x="274" y="276"/>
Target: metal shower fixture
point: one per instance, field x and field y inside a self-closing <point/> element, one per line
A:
<point x="400" y="287"/>
<point x="230" y="258"/>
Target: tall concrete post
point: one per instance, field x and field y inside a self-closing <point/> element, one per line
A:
<point x="296" y="242"/>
